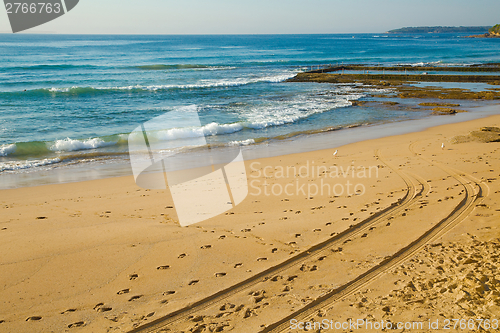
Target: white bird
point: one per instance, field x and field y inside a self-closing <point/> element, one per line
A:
<point x="442" y="146"/>
<point x="335" y="154"/>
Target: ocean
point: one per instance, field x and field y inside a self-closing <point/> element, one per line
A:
<point x="68" y="102"/>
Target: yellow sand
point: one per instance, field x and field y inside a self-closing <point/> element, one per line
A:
<point x="108" y="256"/>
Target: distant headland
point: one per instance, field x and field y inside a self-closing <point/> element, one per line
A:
<point x="439" y="30"/>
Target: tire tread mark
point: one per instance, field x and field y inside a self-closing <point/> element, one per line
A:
<point x="466" y="205"/>
<point x="410" y="197"/>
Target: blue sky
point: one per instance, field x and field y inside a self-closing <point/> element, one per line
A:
<point x="264" y="16"/>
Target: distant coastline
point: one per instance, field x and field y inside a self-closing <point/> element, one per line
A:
<point x="439" y="29"/>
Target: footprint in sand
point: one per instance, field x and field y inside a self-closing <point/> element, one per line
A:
<point x="316" y="230"/>
<point x="297" y="235"/>
<point x="222" y="237"/>
<point x="161" y="268"/>
<point x="305" y="268"/>
<point x="193" y="282"/>
<point x="101" y="308"/>
<point x="261" y="259"/>
<point x="123" y="291"/>
<point x="258" y="295"/>
<point x="196" y="319"/>
<point x="322" y="258"/>
<point x="246" y="230"/>
<point x="227" y="306"/>
<point x="68" y="311"/>
<point x="238" y="265"/>
<point x="170" y="292"/>
<point x="133" y="298"/>
<point x="220" y="274"/>
<point x="328" y="224"/>
<point x="34" y="318"/>
<point x="274" y="250"/>
<point x="77" y="324"/>
<point x="206" y="247"/>
<point x="183" y="255"/>
<point x="41" y="217"/>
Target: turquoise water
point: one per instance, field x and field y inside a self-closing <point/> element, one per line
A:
<point x="67" y="100"/>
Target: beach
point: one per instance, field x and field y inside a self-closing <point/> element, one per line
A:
<point x="401" y="228"/>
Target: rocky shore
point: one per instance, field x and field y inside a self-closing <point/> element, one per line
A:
<point x="493" y="32"/>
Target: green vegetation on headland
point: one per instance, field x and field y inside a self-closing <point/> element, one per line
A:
<point x="438" y="30"/>
<point x="495" y="30"/>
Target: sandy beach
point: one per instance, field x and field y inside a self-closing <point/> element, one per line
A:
<point x="400" y="229"/>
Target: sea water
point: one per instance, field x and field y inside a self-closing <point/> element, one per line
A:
<point x="72" y="100"/>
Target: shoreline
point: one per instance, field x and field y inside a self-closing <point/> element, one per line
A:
<point x="296" y="144"/>
<point x="136" y="265"/>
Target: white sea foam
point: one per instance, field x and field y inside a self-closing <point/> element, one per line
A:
<point x="22" y="165"/>
<point x="7" y="149"/>
<point x="195" y="132"/>
<point x="298" y="108"/>
<point x="235" y="82"/>
<point x="62" y="89"/>
<point x="241" y="143"/>
<point x="72" y="145"/>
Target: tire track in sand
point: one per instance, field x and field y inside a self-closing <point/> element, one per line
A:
<point x="416" y="188"/>
<point x="474" y="190"/>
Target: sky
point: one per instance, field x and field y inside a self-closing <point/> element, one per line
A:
<point x="263" y="16"/>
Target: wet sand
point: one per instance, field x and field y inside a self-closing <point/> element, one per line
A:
<point x="414" y="237"/>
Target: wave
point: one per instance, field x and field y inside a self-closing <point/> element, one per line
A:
<point x="242" y="142"/>
<point x="73" y="145"/>
<point x="7" y="149"/>
<point x="159" y="67"/>
<point x="439" y="63"/>
<point x="38" y="148"/>
<point x="172" y="134"/>
<point x="22" y="165"/>
<point x="203" y="84"/>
